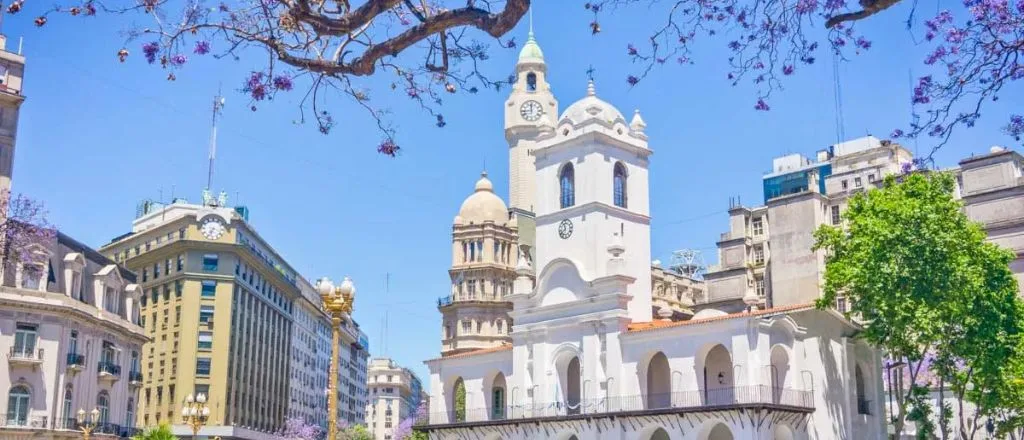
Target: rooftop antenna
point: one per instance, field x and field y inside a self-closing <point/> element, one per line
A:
<point x="531" y="19"/>
<point x="218" y="105"/>
<point x="384" y="328"/>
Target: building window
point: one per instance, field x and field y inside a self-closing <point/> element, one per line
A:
<point x="156" y="270"/>
<point x="103" y="404"/>
<point x="17" y="405"/>
<point x="73" y="342"/>
<point x="619" y="184"/>
<point x="759" y="286"/>
<point x="841" y="306"/>
<point x="210" y="262"/>
<point x="845" y="184"/>
<point x="531" y="82"/>
<point x="145" y="274"/>
<point x="129" y="419"/>
<point x="567" y="186"/>
<point x="758" y="226"/>
<point x="835" y="214"/>
<point x="181" y="263"/>
<point x="466" y="327"/>
<point x="500" y="326"/>
<point x="68" y="409"/>
<point x="205" y="314"/>
<point x="177" y="289"/>
<point x="857" y="183"/>
<point x="871" y="177"/>
<point x="205" y="340"/>
<point x="25" y="336"/>
<point x="181" y="233"/>
<point x="167" y="266"/>
<point x="758" y="254"/>
<point x="471" y="289"/>
<point x="209" y="288"/>
<point x="203" y="366"/>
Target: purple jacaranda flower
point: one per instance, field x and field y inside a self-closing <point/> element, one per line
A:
<point x="787" y="70"/>
<point x="202" y="47"/>
<point x="178" y="60"/>
<point x="761" y="105"/>
<point x="283" y="82"/>
<point x="149" y="50"/>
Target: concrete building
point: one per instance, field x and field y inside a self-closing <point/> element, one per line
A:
<point x="353" y="392"/>
<point x="395" y="393"/>
<point x="229" y="318"/>
<point x="992" y="187"/>
<point x="12" y="70"/>
<point x="587" y="359"/>
<point x="70" y="330"/>
<point x="765" y="258"/>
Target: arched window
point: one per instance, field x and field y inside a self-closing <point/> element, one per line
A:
<point x="498" y="398"/>
<point x="103" y="404"/>
<point x="619" y="184"/>
<point x="567" y="184"/>
<point x="17" y="405"/>
<point x="459" y="401"/>
<point x="531" y="82"/>
<point x="67" y="409"/>
<point x="863" y="405"/>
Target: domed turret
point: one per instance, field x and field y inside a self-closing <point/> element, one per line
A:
<point x="531" y="52"/>
<point x="483" y="205"/>
<point x="591" y="107"/>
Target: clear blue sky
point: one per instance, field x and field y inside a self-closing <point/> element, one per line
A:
<point x="97" y="136"/>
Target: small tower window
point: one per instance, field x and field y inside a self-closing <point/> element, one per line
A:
<point x="619" y="183"/>
<point x="567" y="184"/>
<point x="531" y="82"/>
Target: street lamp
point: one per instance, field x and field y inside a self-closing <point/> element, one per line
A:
<point x="195" y="412"/>
<point x="338" y="305"/>
<point x="87" y="424"/>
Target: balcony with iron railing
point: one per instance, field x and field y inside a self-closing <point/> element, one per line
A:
<point x="448" y="300"/>
<point x="109" y="371"/>
<point x="29" y="356"/>
<point x="135" y="378"/>
<point x="76" y="362"/>
<point x="26" y="422"/>
<point x="721" y="399"/>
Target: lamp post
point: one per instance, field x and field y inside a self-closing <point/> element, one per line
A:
<point x="338" y="305"/>
<point x="87" y="424"/>
<point x="195" y="412"/>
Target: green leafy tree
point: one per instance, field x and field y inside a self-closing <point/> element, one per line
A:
<point x="936" y="296"/>
<point x="356" y="432"/>
<point x="162" y="432"/>
<point x="460" y="401"/>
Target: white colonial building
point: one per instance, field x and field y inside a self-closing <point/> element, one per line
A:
<point x="587" y="360"/>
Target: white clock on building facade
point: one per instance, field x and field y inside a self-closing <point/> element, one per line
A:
<point x="531" y="110"/>
<point x="212" y="228"/>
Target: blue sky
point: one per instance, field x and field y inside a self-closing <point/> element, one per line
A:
<point x="96" y="137"/>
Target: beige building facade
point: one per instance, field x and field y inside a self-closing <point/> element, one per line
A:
<point x="69" y="329"/>
<point x="484" y="242"/>
<point x="395" y="393"/>
<point x="220" y="307"/>
<point x="12" y="70"/>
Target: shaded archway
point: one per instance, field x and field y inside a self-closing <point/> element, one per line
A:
<point x="659" y="434"/>
<point x="458" y="403"/>
<point x="572" y="386"/>
<point x="779" y="371"/>
<point x="863" y="405"/>
<point x="659" y="382"/>
<point x="720" y="432"/>
<point x="498" y="394"/>
<point x="718" y="377"/>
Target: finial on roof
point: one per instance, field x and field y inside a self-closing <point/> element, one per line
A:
<point x="531" y="22"/>
<point x="637" y="123"/>
<point x="590" y="88"/>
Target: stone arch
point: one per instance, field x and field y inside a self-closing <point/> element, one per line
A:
<point x="783" y="432"/>
<point x="561" y="281"/>
<point x="566" y="185"/>
<point x="715" y="430"/>
<point x="716" y="375"/>
<point x="658" y="382"/>
<point x="653" y="432"/>
<point x="568" y="368"/>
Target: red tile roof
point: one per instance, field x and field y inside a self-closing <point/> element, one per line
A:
<point x="502" y="347"/>
<point x="657" y="325"/>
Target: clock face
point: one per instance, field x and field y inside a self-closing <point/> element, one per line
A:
<point x="212" y="228"/>
<point x="531" y="110"/>
<point x="565" y="229"/>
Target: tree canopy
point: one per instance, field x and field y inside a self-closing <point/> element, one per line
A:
<point x="935" y="295"/>
<point x="433" y="48"/>
<point x="162" y="432"/>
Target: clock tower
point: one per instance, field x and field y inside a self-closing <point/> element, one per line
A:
<point x="530" y="114"/>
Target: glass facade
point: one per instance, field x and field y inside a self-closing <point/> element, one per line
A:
<point x="795" y="182"/>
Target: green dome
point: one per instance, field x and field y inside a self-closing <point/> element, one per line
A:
<point x="531" y="50"/>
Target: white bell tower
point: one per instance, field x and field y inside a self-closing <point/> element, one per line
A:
<point x="530" y="112"/>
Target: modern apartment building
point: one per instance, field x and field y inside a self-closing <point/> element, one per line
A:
<point x="224" y="312"/>
<point x="352" y="360"/>
<point x="395" y="394"/>
<point x="70" y="330"/>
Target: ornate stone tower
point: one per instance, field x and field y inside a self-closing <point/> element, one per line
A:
<point x="475" y="314"/>
<point x="12" y="67"/>
<point x="530" y="112"/>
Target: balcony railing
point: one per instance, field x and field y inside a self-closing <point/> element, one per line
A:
<point x="135" y="378"/>
<point x="109" y="370"/>
<point x="76" y="361"/>
<point x="29" y="422"/>
<point x="29" y="355"/>
<point x="448" y="300"/>
<point x="709" y="400"/>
